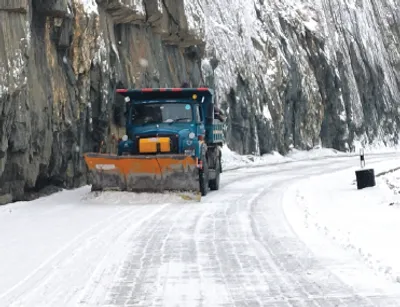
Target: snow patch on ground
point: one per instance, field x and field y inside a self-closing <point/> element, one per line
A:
<point x="130" y="198"/>
<point x="392" y="181"/>
<point x="232" y="160"/>
<point x="84" y="196"/>
<point x="365" y="222"/>
<point x="317" y="152"/>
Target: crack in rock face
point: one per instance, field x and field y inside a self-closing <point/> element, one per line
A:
<point x="288" y="74"/>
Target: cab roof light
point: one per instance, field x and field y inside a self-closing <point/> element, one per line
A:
<point x="174" y="89"/>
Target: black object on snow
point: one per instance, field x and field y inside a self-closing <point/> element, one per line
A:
<point x="365" y="178"/>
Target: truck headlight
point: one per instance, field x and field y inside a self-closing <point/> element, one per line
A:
<point x="192" y="135"/>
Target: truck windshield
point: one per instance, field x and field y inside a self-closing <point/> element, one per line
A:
<point x="155" y="113"/>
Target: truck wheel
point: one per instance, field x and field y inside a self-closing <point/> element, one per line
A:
<point x="203" y="174"/>
<point x="214" y="183"/>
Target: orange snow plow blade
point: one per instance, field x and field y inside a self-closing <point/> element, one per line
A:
<point x="155" y="173"/>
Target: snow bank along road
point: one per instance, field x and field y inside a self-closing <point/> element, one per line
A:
<point x="235" y="248"/>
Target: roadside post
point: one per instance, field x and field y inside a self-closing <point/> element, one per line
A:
<point x="365" y="177"/>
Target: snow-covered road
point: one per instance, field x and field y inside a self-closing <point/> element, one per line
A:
<point x="235" y="248"/>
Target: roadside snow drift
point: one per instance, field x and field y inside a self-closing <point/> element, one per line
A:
<point x="232" y="160"/>
<point x="365" y="221"/>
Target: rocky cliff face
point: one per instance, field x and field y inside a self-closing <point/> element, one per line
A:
<point x="306" y="73"/>
<point x="288" y="73"/>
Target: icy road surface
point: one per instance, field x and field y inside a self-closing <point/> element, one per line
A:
<point x="235" y="248"/>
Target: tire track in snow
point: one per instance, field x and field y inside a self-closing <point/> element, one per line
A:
<point x="288" y="283"/>
<point x="59" y="252"/>
<point x="198" y="237"/>
<point x="62" y="265"/>
<point x="244" y="270"/>
<point x="139" y="272"/>
<point x="239" y="243"/>
<point x="231" y="264"/>
<point x="162" y="279"/>
<point x="284" y="279"/>
<point x="261" y="274"/>
<point x="213" y="275"/>
<point x="94" y="293"/>
<point x="168" y="256"/>
<point x="71" y="257"/>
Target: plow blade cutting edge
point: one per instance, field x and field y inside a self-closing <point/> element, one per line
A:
<point x="156" y="173"/>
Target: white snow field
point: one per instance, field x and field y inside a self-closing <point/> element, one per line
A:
<point x="244" y="245"/>
<point x="367" y="221"/>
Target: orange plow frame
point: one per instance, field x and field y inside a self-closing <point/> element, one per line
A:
<point x="155" y="173"/>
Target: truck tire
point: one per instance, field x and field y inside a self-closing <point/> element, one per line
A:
<point x="203" y="176"/>
<point x="214" y="183"/>
<point x="220" y="162"/>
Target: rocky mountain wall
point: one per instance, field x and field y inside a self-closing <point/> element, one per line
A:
<point x="306" y="73"/>
<point x="287" y="73"/>
<point x="60" y="63"/>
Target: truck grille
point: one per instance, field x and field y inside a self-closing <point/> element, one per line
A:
<point x="174" y="139"/>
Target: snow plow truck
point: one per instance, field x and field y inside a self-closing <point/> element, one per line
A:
<point x="173" y="142"/>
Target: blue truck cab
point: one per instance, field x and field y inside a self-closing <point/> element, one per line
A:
<point x="184" y="117"/>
